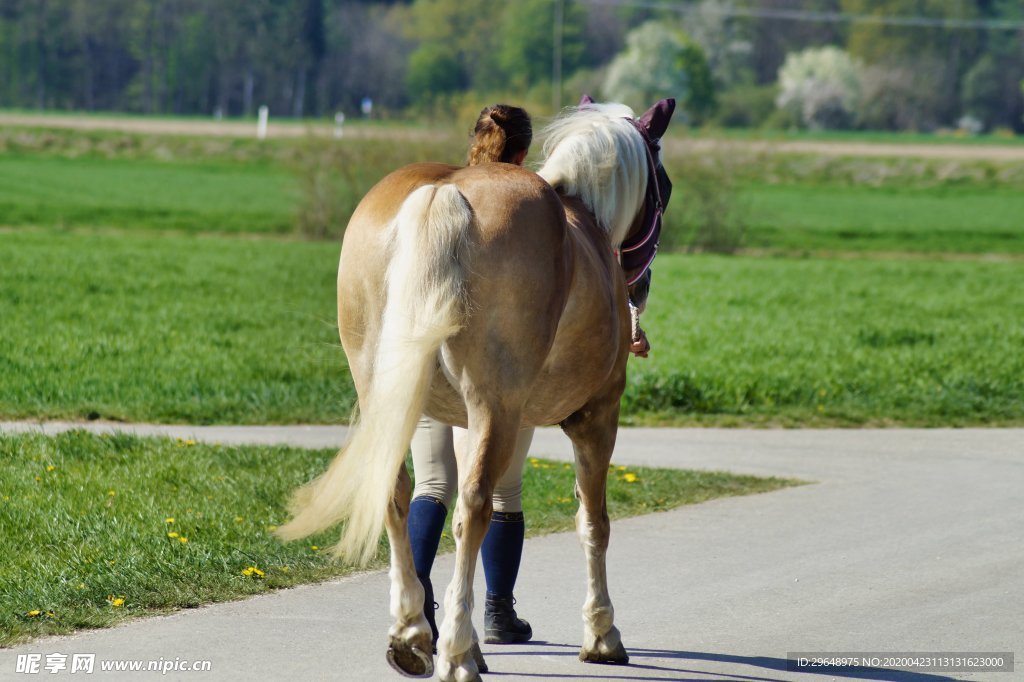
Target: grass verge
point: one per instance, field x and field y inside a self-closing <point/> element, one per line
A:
<point x="170" y="329"/>
<point x="98" y="529"/>
<point x="831" y="342"/>
<point x="222" y="330"/>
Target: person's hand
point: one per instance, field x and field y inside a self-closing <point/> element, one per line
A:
<point x="640" y="346"/>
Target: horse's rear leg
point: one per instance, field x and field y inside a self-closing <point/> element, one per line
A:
<point x="491" y="441"/>
<point x="411" y="648"/>
<point x="593" y="431"/>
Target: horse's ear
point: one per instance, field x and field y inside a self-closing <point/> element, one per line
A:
<point x="585" y="100"/>
<point x="656" y="119"/>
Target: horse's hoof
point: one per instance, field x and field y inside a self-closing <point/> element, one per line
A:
<point x="478" y="656"/>
<point x="617" y="656"/>
<point x="411" y="661"/>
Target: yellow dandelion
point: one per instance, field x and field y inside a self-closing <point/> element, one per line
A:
<point x="39" y="478"/>
<point x="314" y="548"/>
<point x="172" y="534"/>
<point x="50" y="467"/>
<point x="183" y="540"/>
<point x="285" y="568"/>
<point x="239" y="519"/>
<point x="169" y="519"/>
<point x="111" y="493"/>
<point x="252" y="572"/>
<point x="622" y="467"/>
<point x="629" y="477"/>
<point x="51" y="614"/>
<point x="116" y="602"/>
<point x="33" y="613"/>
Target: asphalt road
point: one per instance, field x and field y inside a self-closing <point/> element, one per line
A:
<point x="907" y="541"/>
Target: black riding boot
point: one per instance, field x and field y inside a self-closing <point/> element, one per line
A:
<point x="501" y="626"/>
<point x="429" y="607"/>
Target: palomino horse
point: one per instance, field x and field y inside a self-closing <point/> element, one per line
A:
<point x="490" y="298"/>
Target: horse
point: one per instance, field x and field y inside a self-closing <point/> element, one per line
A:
<point x="491" y="298"/>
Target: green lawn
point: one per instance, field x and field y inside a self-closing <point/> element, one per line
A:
<point x="141" y="193"/>
<point x="230" y="330"/>
<point x="97" y="529"/>
<point x="848" y="218"/>
<point x="208" y="185"/>
<point x="806" y="341"/>
<point x="170" y="329"/>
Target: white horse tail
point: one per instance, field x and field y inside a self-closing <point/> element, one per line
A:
<point x="424" y="306"/>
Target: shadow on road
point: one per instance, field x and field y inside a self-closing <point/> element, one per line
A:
<point x="637" y="667"/>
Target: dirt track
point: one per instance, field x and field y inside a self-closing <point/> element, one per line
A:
<point x="282" y="130"/>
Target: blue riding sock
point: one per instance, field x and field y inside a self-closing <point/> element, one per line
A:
<point x="426" y="521"/>
<point x="502" y="551"/>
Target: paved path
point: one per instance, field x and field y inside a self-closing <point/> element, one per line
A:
<point x="909" y="541"/>
<point x="286" y="128"/>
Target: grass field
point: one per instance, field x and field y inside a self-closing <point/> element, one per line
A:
<point x="170" y="328"/>
<point x="97" y="529"/>
<point x="228" y="330"/>
<point x="805" y="341"/>
<point x="112" y="310"/>
<point x="141" y="193"/>
<point x="786" y="202"/>
<point x="838" y="218"/>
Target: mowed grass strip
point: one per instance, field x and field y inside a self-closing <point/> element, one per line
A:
<point x="787" y="202"/>
<point x="146" y="194"/>
<point x="170" y="329"/>
<point x="220" y="330"/>
<point x="97" y="529"/>
<point x="864" y="219"/>
<point x="831" y="341"/>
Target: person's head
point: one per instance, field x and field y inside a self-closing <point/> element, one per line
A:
<point x="502" y="133"/>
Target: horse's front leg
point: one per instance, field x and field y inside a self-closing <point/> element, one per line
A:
<point x="486" y="456"/>
<point x="410" y="651"/>
<point x="592" y="431"/>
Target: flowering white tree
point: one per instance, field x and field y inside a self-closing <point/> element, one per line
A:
<point x="821" y="86"/>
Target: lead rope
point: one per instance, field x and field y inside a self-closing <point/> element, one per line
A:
<point x="634" y="320"/>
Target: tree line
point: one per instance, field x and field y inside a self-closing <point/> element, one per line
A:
<point x="722" y="58"/>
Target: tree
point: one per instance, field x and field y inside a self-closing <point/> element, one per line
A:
<point x="771" y="39"/>
<point x="938" y="53"/>
<point x="822" y="86"/>
<point x="434" y="70"/>
<point x="728" y="54"/>
<point x="526" y="41"/>
<point x="661" y="62"/>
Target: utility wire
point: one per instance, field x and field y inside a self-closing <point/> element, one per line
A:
<point x="827" y="17"/>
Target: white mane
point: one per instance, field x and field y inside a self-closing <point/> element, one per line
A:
<point x="595" y="154"/>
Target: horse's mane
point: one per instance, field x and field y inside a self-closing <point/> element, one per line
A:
<point x="594" y="153"/>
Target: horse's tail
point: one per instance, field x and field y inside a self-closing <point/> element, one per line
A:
<point x="425" y="292"/>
